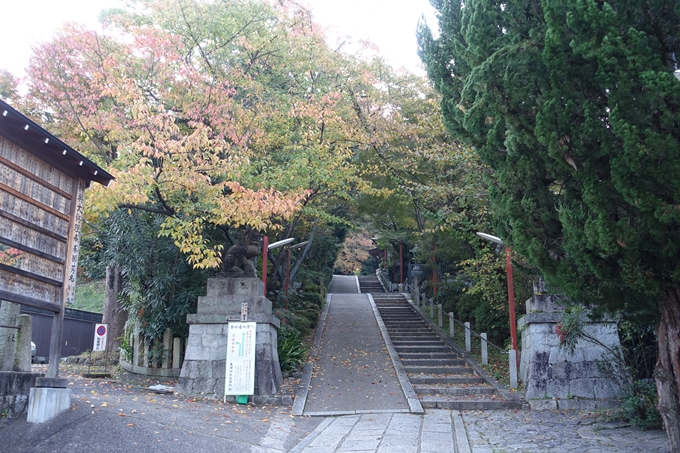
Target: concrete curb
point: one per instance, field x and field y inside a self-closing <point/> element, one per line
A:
<point x="460" y="434"/>
<point x="303" y="388"/>
<point x="311" y="436"/>
<point x="356" y="412"/>
<point x="404" y="382"/>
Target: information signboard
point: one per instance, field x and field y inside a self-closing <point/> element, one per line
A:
<point x="239" y="377"/>
<point x="100" y="332"/>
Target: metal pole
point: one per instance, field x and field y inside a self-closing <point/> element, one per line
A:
<point x="265" y="246"/>
<point x="511" y="298"/>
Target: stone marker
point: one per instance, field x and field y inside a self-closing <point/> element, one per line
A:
<point x="22" y="354"/>
<point x="9" y="316"/>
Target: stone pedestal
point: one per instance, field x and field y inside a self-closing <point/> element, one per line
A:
<point x="555" y="378"/>
<point x="203" y="369"/>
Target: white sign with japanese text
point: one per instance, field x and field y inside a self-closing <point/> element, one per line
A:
<point x="239" y="377"/>
<point x="100" y="331"/>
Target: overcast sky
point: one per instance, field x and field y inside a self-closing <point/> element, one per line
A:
<point x="390" y="24"/>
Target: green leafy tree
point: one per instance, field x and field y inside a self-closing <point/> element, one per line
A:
<point x="575" y="107"/>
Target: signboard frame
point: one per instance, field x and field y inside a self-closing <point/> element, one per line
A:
<point x="239" y="372"/>
<point x="41" y="208"/>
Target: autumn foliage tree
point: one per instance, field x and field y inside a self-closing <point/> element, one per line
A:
<point x="213" y="116"/>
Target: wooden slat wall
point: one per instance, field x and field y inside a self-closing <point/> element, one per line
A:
<point x="35" y="202"/>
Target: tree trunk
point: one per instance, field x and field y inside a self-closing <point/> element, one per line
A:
<point x="667" y="372"/>
<point x="114" y="315"/>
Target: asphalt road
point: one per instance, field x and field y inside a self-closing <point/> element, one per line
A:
<point x="108" y="416"/>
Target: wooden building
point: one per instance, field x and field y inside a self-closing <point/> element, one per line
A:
<point x="42" y="183"/>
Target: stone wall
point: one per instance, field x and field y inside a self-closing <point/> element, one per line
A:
<point x="15" y="388"/>
<point x="556" y="378"/>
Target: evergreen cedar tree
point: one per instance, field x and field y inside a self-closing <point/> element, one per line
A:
<point x="575" y="107"/>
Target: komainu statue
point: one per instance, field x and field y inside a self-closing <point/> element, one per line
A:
<point x="237" y="261"/>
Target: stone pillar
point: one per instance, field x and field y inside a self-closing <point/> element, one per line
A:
<point x="167" y="340"/>
<point x="9" y="316"/>
<point x="555" y="378"/>
<point x="176" y="351"/>
<point x="22" y="355"/>
<point x="203" y="370"/>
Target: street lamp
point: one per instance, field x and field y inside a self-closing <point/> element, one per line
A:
<point x="511" y="287"/>
<point x="292" y="247"/>
<point x="265" y="256"/>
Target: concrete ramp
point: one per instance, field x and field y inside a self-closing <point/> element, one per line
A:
<point x="352" y="372"/>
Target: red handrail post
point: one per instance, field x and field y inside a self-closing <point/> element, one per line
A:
<point x="265" y="246"/>
<point x="511" y="298"/>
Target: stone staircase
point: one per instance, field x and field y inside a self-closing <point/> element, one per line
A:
<point x="439" y="375"/>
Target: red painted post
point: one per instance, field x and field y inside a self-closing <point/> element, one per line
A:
<point x="511" y="298"/>
<point x="265" y="246"/>
<point x="287" y="275"/>
<point x="434" y="273"/>
<point x="401" y="264"/>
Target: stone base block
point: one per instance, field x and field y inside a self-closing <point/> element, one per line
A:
<point x="203" y="369"/>
<point x="45" y="403"/>
<point x="572" y="404"/>
<point x="15" y="389"/>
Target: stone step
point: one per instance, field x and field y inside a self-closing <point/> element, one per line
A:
<point x="402" y="319"/>
<point x="434" y="362"/>
<point x="433" y="342"/>
<point x="400" y="328"/>
<point x="445" y="379"/>
<point x="422" y="349"/>
<point x="429" y="355"/>
<point x="453" y="391"/>
<point x="437" y="370"/>
<point x="440" y="377"/>
<point x="411" y="336"/>
<point x="462" y="404"/>
<point x="401" y="313"/>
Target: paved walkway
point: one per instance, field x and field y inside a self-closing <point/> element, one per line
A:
<point x="439" y="431"/>
<point x="353" y="372"/>
<point x="444" y="431"/>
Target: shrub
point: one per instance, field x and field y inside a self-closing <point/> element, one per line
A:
<point x="292" y="351"/>
<point x="639" y="406"/>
